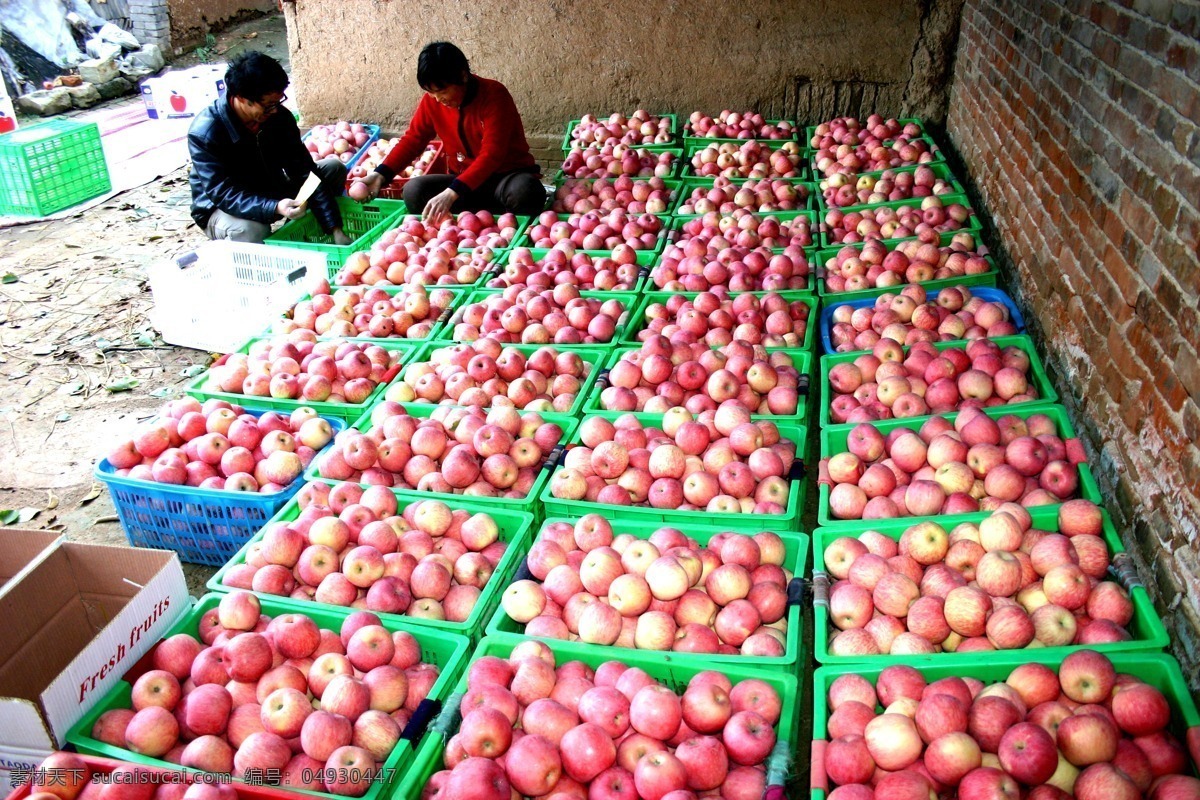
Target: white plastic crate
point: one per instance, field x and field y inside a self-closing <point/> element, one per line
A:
<point x="222" y="293"/>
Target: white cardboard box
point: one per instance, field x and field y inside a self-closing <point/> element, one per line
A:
<point x="75" y="623"/>
<point x="8" y="119"/>
<point x="182" y="93"/>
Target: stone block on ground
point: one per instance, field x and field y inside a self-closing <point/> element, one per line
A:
<point x="117" y="87"/>
<point x="99" y="71"/>
<point x="85" y="95"/>
<point x="45" y="103"/>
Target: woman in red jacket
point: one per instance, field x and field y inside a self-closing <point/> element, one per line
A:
<point x="489" y="160"/>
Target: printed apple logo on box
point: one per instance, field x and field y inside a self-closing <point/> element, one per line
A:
<point x="178" y="101"/>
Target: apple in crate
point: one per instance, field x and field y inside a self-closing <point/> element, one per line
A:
<point x="614" y="160"/>
<point x="639" y="128"/>
<point x="913" y="316"/>
<point x="560" y="266"/>
<point x="738" y="125"/>
<point x="561" y="315"/>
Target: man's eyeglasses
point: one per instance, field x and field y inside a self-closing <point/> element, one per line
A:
<point x="271" y="108"/>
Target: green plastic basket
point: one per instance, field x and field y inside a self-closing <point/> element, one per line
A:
<point x="654" y="148"/>
<point x="1159" y="670"/>
<point x="676" y="166"/>
<point x="834" y="437"/>
<point x="823" y="255"/>
<point x="688" y="520"/>
<point x="526" y="240"/>
<point x="939" y="157"/>
<point x="804" y="169"/>
<point x="674" y="184"/>
<point x="691" y="142"/>
<point x="801" y="359"/>
<point x="461" y="293"/>
<point x="627" y="299"/>
<point x="1146" y="627"/>
<point x="363" y="223"/>
<point x="674" y="674"/>
<point x="940" y="170"/>
<point x="522" y="224"/>
<point x="678" y="221"/>
<point x="1037" y="375"/>
<point x="529" y="503"/>
<point x="447" y="651"/>
<point x="515" y="530"/>
<point x="51" y="166"/>
<point x="503" y="628"/>
<point x="347" y="412"/>
<point x="637" y="320"/>
<point x="811" y="130"/>
<point x="595" y="357"/>
<point x="974" y="223"/>
<point x="691" y="183"/>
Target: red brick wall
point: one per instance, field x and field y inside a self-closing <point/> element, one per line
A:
<point x="1077" y="122"/>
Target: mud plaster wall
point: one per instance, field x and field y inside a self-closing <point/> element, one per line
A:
<point x="192" y="19"/>
<point x="562" y="59"/>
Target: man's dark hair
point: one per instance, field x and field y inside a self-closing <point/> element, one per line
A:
<point x="253" y="75"/>
<point x="441" y="64"/>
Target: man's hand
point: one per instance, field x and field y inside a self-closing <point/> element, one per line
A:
<point x="340" y="237"/>
<point x="438" y="207"/>
<point x="290" y="209"/>
<point x="372" y="183"/>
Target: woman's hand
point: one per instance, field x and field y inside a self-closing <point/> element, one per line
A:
<point x="372" y="183"/>
<point x="438" y="206"/>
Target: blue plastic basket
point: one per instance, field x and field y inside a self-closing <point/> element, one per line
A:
<point x="983" y="292"/>
<point x="373" y="130"/>
<point x="204" y="526"/>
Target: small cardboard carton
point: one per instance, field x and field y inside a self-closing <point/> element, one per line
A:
<point x="20" y="551"/>
<point x="182" y="93"/>
<point x="8" y="118"/>
<point x="75" y="621"/>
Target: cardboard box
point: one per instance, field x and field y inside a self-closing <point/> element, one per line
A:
<point x="182" y="93"/>
<point x="20" y="551"/>
<point x="8" y="118"/>
<point x="74" y="623"/>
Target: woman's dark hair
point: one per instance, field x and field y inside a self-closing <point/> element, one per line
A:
<point x="441" y="64"/>
<point x="253" y="75"/>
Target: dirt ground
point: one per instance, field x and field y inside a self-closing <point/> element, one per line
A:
<point x="74" y="320"/>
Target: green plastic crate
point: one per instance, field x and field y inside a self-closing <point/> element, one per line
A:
<point x="461" y="293"/>
<point x="347" y="412"/>
<point x="687" y="520"/>
<point x="691" y="141"/>
<point x="522" y="224"/>
<point x="1037" y="375"/>
<point x="447" y="651"/>
<point x="515" y="530"/>
<point x="801" y="359"/>
<point x="940" y="170"/>
<point x="1159" y="670"/>
<point x="637" y="321"/>
<point x="446" y="333"/>
<point x="973" y="225"/>
<point x="804" y="168"/>
<point x="823" y="255"/>
<point x="654" y="148"/>
<point x="525" y="239"/>
<point x="671" y="673"/>
<point x="691" y="183"/>
<point x="811" y="130"/>
<point x="939" y="157"/>
<point x="503" y="628"/>
<point x="50" y="166"/>
<point x="674" y="184"/>
<point x="364" y="223"/>
<point x="529" y="503"/>
<point x="674" y="230"/>
<point x="644" y="260"/>
<point x="833" y="441"/>
<point x="1146" y="627"/>
<point x="676" y="166"/>
<point x="595" y="357"/>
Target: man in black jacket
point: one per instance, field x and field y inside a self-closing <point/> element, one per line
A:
<point x="248" y="162"/>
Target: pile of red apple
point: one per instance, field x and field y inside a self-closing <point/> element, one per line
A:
<point x="887" y="382"/>
<point x="751" y="159"/>
<point x="67" y="776"/>
<point x="379" y="150"/>
<point x="614" y="160"/>
<point x="220" y="446"/>
<point x="742" y="228"/>
<point x="725" y="196"/>
<point x="999" y="584"/>
<point x="342" y="139"/>
<point x="240" y="698"/>
<point x="840" y="189"/>
<point x="540" y="316"/>
<point x="560" y="267"/>
<point x="614" y="732"/>
<point x="874" y="264"/>
<point x="726" y="465"/>
<point x="636" y="196"/>
<point x="662" y="593"/>
<point x="974" y="463"/>
<point x="912" y="316"/>
<point x="851" y="131"/>
<point x="484" y="373"/>
<point x="409" y="313"/>
<point x="716" y="319"/>
<point x="454" y="451"/>
<point x="1086" y="732"/>
<point x="294" y="366"/>
<point x="738" y="125"/>
<point x="739" y="269"/>
<point x="403" y="263"/>
<point x="926" y="220"/>
<point x="597" y="231"/>
<point x="663" y="375"/>
<point x="465" y="231"/>
<point x="350" y="546"/>
<point x="851" y="159"/>
<point x="639" y="128"/>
